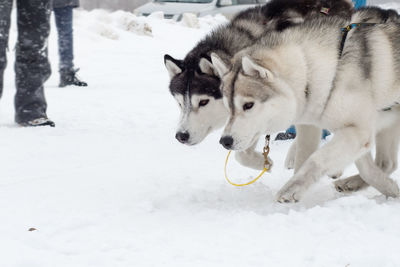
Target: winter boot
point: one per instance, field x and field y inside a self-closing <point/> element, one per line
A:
<point x="289" y="134"/>
<point x="38" y="122"/>
<point x="68" y="77"/>
<point x="285" y="136"/>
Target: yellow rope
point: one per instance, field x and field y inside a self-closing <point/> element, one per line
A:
<point x="248" y="183"/>
<point x="267" y="164"/>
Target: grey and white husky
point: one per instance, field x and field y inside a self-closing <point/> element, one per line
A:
<point x="195" y="82"/>
<point x="386" y="151"/>
<point x="298" y="77"/>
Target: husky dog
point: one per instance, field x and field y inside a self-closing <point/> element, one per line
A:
<point x="298" y="77"/>
<point x="386" y="142"/>
<point x="195" y="83"/>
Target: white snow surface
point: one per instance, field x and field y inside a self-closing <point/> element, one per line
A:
<point x="110" y="186"/>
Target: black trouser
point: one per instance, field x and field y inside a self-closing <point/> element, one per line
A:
<point x="32" y="67"/>
<point x="64" y="16"/>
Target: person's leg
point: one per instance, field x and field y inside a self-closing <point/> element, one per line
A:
<point x="63" y="17"/>
<point x="32" y="67"/>
<point x="5" y="15"/>
<point x="64" y="23"/>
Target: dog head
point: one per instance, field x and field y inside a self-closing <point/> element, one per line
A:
<point x="258" y="98"/>
<point x="195" y="86"/>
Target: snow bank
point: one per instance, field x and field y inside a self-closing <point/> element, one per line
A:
<point x="110" y="24"/>
<point x="190" y="20"/>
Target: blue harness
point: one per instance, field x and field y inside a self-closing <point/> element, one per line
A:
<point x="346" y="30"/>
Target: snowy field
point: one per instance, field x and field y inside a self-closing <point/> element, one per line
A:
<point x="110" y="186"/>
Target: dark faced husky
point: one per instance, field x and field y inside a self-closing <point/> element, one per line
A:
<point x="310" y="75"/>
<point x="195" y="83"/>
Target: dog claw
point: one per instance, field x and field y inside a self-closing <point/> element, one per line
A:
<point x="351" y="184"/>
<point x="288" y="199"/>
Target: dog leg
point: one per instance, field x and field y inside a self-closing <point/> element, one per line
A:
<point x="346" y="146"/>
<point x="372" y="175"/>
<point x="291" y="155"/>
<point x="307" y="141"/>
<point x="251" y="158"/>
<point x="375" y="177"/>
<point x="387" y="145"/>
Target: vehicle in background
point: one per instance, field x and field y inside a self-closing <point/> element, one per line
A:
<point x="173" y="9"/>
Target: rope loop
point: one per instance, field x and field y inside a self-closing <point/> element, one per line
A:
<point x="267" y="165"/>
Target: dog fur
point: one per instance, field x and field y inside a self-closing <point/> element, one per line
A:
<point x="297" y="77"/>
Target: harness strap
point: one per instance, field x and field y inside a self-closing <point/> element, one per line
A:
<point x="347" y="29"/>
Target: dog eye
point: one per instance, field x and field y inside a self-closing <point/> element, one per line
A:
<point x="204" y="102"/>
<point x="248" y="106"/>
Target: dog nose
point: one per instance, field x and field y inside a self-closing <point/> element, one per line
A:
<point x="182" y="137"/>
<point x="226" y="141"/>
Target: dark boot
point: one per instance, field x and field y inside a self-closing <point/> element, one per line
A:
<point x="68" y="77"/>
<point x="38" y="122"/>
<point x="285" y="136"/>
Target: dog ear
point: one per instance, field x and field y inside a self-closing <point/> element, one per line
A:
<point x="220" y="66"/>
<point x="173" y="65"/>
<point x="207" y="67"/>
<point x="251" y="68"/>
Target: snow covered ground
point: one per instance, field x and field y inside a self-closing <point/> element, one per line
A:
<point x="110" y="186"/>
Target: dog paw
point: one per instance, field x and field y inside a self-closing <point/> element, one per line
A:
<point x="351" y="184"/>
<point x="391" y="189"/>
<point x="291" y="192"/>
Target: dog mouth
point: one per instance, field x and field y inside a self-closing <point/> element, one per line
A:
<point x="193" y="143"/>
<point x="243" y="146"/>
